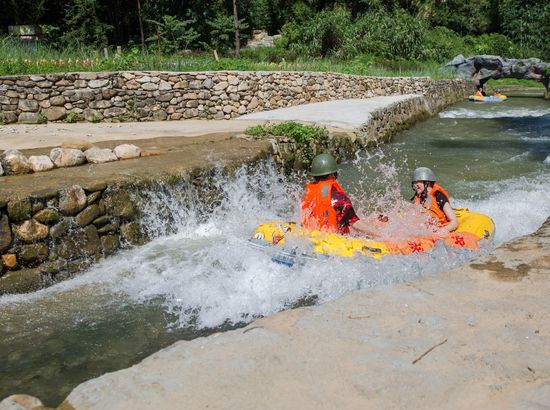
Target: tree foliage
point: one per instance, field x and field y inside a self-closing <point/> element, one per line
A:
<point x="389" y="29"/>
<point x="173" y="35"/>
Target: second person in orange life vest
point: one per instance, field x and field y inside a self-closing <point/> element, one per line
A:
<point x="433" y="199"/>
<point x="325" y="206"/>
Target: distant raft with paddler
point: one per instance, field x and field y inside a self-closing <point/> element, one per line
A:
<point x="473" y="231"/>
<point x="488" y="98"/>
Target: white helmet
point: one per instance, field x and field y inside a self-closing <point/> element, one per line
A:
<point x="423" y="174"/>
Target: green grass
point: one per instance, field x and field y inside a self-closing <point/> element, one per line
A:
<point x="17" y="58"/>
<point x="513" y="83"/>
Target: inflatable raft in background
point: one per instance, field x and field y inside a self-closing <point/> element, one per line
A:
<point x="473" y="230"/>
<point x="487" y="98"/>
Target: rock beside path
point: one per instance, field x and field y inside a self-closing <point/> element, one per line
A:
<point x="97" y="155"/>
<point x="14" y="162"/>
<point x="67" y="157"/>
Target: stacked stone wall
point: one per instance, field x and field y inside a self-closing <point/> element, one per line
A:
<point x="142" y="96"/>
<point x="49" y="235"/>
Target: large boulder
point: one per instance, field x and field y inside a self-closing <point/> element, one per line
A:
<point x="127" y="151"/>
<point x="119" y="203"/>
<point x="19" y="209"/>
<point x="47" y="216"/>
<point x="55" y="113"/>
<point x="30" y="231"/>
<point x="30" y="254"/>
<point x="72" y="200"/>
<point x="28" y="105"/>
<point x="67" y="157"/>
<point x="40" y="163"/>
<point x="88" y="215"/>
<point x="14" y="162"/>
<point x="97" y="155"/>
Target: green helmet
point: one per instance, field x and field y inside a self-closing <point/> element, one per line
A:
<point x="323" y="164"/>
<point x="423" y="174"/>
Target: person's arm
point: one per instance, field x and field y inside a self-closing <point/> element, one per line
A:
<point x="453" y="222"/>
<point x="363" y="228"/>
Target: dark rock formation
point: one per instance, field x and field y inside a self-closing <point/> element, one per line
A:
<point x="484" y="67"/>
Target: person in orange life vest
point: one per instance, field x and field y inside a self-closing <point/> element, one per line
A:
<point x="325" y="205"/>
<point x="433" y="199"/>
<point x="480" y="92"/>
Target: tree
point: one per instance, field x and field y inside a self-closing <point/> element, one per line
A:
<point x="141" y="35"/>
<point x="175" y="35"/>
<point x="83" y="26"/>
<point x="236" y="28"/>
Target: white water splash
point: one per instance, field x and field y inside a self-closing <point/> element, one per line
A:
<point x="205" y="275"/>
<point x="499" y="111"/>
<point x="517" y="206"/>
<point x="536" y="139"/>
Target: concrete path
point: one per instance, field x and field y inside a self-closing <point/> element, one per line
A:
<point x="476" y="337"/>
<point x="22" y="136"/>
<point x="342" y="114"/>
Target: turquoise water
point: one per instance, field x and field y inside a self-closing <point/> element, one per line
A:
<point x="198" y="275"/>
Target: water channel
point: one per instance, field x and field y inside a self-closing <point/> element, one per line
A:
<point x="198" y="275"/>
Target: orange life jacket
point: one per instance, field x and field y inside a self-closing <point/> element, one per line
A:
<point x="432" y="208"/>
<point x="317" y="211"/>
<point x="479" y="93"/>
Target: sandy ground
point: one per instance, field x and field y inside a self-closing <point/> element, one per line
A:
<point x="476" y="337"/>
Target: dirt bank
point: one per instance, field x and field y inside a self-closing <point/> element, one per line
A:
<point x="176" y="156"/>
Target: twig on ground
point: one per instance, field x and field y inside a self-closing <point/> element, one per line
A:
<point x="358" y="317"/>
<point x="428" y="351"/>
<point x="252" y="328"/>
<point x="420" y="289"/>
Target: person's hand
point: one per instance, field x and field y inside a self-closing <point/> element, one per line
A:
<point x="383" y="218"/>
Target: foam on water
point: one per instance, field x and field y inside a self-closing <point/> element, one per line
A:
<point x="517" y="206"/>
<point x="204" y="274"/>
<point x="494" y="111"/>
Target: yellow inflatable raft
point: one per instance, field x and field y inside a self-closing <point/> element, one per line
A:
<point x="473" y="228"/>
<point x="488" y="98"/>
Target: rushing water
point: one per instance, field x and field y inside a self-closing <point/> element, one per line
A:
<point x="199" y="276"/>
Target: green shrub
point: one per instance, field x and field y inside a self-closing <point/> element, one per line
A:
<point x="95" y="118"/>
<point x="41" y="118"/>
<point x="73" y="117"/>
<point x="307" y="137"/>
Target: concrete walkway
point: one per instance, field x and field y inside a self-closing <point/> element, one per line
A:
<point x="23" y="136"/>
<point x="345" y="115"/>
<point x="342" y="114"/>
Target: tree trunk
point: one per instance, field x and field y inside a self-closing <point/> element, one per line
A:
<point x="236" y="27"/>
<point x="140" y="26"/>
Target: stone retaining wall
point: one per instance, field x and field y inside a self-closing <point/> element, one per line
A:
<point x="52" y="234"/>
<point x="133" y="96"/>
